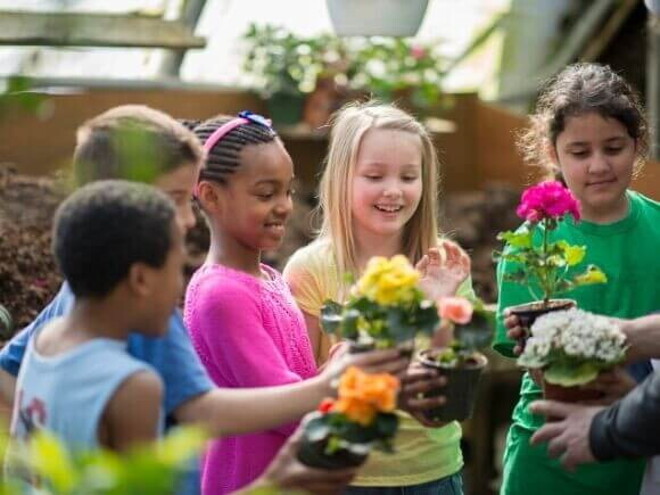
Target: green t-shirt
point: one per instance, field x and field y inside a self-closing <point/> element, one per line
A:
<point x="628" y="251"/>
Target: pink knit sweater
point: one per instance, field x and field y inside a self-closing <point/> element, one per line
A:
<point x="248" y="332"/>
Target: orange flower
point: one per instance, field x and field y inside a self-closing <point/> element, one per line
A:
<point x="363" y="395"/>
<point x="456" y="309"/>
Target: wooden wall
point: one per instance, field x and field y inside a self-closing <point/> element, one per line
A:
<point x="480" y="151"/>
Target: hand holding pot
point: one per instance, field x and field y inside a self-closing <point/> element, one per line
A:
<point x="382" y="361"/>
<point x="417" y="381"/>
<point x="613" y="384"/>
<point x="286" y="472"/>
<point x="568" y="435"/>
<point x="514" y="331"/>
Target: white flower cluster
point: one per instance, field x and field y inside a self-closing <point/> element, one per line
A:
<point x="574" y="333"/>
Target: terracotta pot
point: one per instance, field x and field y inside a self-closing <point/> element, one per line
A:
<point x="529" y="312"/>
<point x="461" y="389"/>
<point x="313" y="454"/>
<point x="569" y="394"/>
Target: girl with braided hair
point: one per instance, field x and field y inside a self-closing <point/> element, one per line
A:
<point x="242" y="318"/>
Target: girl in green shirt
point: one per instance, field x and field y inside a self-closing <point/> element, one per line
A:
<point x="590" y="131"/>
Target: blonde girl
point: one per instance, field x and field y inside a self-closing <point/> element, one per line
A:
<point x="378" y="195"/>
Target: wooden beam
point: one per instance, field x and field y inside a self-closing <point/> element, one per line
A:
<point x="121" y="31"/>
<point x="602" y="39"/>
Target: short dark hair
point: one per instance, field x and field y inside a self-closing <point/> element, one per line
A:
<point x="223" y="158"/>
<point x="132" y="142"/>
<point x="102" y="229"/>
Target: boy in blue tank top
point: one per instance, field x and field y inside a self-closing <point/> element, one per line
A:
<point x="121" y="251"/>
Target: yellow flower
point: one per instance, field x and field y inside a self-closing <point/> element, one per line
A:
<point x="388" y="282"/>
<point x="363" y="395"/>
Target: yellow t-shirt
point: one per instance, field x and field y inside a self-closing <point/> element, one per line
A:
<point x="422" y="454"/>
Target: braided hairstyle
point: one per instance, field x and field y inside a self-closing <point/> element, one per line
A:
<point x="223" y="158"/>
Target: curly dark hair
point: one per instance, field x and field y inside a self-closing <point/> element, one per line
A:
<point x="223" y="158"/>
<point x="104" y="228"/>
<point x="579" y="89"/>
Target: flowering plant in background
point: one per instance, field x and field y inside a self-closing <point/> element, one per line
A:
<point x="573" y="346"/>
<point x="386" y="307"/>
<point x="473" y="324"/>
<point x="361" y="418"/>
<point x="550" y="266"/>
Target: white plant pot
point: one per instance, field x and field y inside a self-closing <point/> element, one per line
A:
<point x="653" y="6"/>
<point x="376" y="17"/>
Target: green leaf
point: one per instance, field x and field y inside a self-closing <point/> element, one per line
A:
<point x="520" y="239"/>
<point x="331" y="316"/>
<point x="568" y="374"/>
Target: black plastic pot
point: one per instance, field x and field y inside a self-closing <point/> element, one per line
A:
<point x="461" y="389"/>
<point x="313" y="454"/>
<point x="529" y="312"/>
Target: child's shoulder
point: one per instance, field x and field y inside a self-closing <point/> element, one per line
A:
<point x="218" y="282"/>
<point x="317" y="251"/>
<point x="645" y="203"/>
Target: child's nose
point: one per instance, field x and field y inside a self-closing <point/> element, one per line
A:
<point x="599" y="163"/>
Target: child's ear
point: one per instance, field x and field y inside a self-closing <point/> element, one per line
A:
<point x="208" y="196"/>
<point x="141" y="279"/>
<point x="553" y="158"/>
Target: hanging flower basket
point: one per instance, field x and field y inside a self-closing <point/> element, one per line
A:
<point x="376" y="17"/>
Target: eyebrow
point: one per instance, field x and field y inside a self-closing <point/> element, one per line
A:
<point x="584" y="143"/>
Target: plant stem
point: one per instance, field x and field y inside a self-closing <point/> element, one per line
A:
<point x="544" y="286"/>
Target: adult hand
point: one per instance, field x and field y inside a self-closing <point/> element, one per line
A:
<point x="416" y="381"/>
<point x="568" y="433"/>
<point x="614" y="385"/>
<point x="443" y="269"/>
<point x="286" y="472"/>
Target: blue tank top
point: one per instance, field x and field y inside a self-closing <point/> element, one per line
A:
<point x="67" y="394"/>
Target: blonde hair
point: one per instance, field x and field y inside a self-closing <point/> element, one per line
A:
<point x="349" y="125"/>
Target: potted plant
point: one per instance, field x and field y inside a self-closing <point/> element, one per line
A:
<point x="571" y="348"/>
<point x="286" y="68"/>
<point x="386" y="308"/>
<point x="547" y="268"/>
<point x="343" y="431"/>
<point x="461" y="362"/>
<point x="400" y="70"/>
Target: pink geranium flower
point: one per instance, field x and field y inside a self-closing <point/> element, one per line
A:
<point x="456" y="309"/>
<point x="550" y="200"/>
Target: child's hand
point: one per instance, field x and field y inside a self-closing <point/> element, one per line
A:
<point x="443" y="269"/>
<point x="416" y="381"/>
<point x="514" y="331"/>
<point x="385" y="361"/>
<point x="286" y="473"/>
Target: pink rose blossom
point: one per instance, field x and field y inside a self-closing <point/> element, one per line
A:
<point x="417" y="52"/>
<point x="548" y="199"/>
<point x="456" y="309"/>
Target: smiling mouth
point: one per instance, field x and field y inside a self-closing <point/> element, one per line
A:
<point x="389" y="208"/>
<point x="601" y="182"/>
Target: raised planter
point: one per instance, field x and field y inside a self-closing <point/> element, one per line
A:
<point x="376" y="17"/>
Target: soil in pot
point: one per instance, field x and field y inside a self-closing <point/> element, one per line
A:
<point x="313" y="454"/>
<point x="529" y="312"/>
<point x="461" y="389"/>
